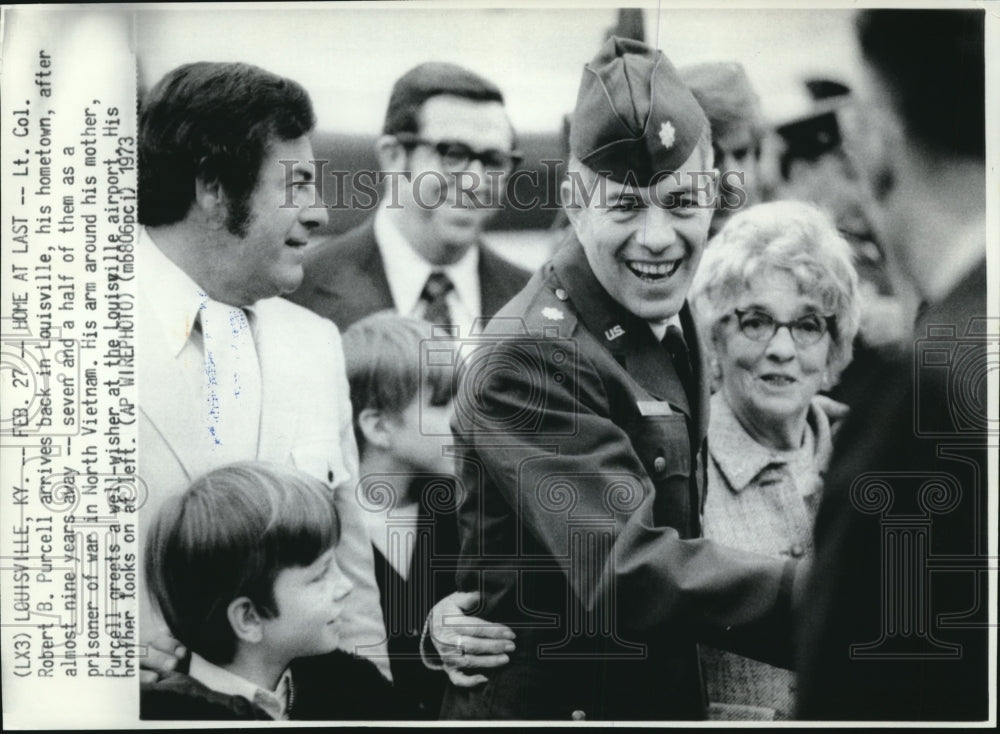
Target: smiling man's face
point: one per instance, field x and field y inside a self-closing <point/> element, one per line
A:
<point x="644" y="245"/>
<point x="267" y="259"/>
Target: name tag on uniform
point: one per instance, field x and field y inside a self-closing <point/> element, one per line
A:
<point x="648" y="408"/>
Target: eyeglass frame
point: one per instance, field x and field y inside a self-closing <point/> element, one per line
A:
<point x="411" y="140"/>
<point x="829" y="322"/>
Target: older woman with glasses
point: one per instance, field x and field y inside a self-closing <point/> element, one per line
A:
<point x="776" y="299"/>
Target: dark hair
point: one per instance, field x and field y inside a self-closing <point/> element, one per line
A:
<point x="230" y="535"/>
<point x="428" y="80"/>
<point x="213" y="121"/>
<point x="384" y="368"/>
<point x="934" y="64"/>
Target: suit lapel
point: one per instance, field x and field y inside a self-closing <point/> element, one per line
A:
<point x="358" y="281"/>
<point x="277" y="422"/>
<point x="166" y="389"/>
<point x="499" y="281"/>
<point x="647" y="362"/>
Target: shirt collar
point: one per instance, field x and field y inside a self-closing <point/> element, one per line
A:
<point x="275" y="702"/>
<point x="660" y="327"/>
<point x="174" y="296"/>
<point x="407" y="271"/>
<point x="741" y="459"/>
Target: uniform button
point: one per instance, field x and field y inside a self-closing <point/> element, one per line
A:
<point x="561" y="294"/>
<point x="797" y="551"/>
<point x="579" y="715"/>
<point x="659" y="464"/>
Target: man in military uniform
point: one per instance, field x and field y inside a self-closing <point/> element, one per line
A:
<point x="580" y="421"/>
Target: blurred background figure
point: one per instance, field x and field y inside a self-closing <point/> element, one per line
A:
<point x="895" y="619"/>
<point x="776" y="301"/>
<point x="809" y="162"/>
<point x="733" y="109"/>
<point x="448" y="145"/>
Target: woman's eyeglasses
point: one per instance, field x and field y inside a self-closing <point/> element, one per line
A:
<point x="760" y="326"/>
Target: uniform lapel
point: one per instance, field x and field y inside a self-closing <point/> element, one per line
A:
<point x="629" y="339"/>
<point x="699" y="370"/>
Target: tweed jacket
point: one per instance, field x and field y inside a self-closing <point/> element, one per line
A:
<point x="764" y="501"/>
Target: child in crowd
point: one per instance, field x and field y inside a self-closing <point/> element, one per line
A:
<point x="244" y="569"/>
<point x="402" y="409"/>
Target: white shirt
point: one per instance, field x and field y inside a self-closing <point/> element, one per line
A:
<point x="173" y="298"/>
<point x="173" y="295"/>
<point x="221" y="680"/>
<point x="407" y="273"/>
<point x="660" y="327"/>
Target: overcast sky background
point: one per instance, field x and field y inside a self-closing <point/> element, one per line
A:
<point x="348" y="57"/>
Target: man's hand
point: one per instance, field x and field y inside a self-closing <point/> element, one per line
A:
<point x="162" y="655"/>
<point x="464" y="642"/>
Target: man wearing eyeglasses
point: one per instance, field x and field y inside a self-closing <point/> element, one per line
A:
<point x="581" y="436"/>
<point x="446" y="150"/>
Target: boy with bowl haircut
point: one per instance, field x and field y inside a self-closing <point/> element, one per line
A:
<point x="244" y="570"/>
<point x="401" y="412"/>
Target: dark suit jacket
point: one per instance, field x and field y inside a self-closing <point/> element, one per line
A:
<point x="407" y="602"/>
<point x="330" y="687"/>
<point x="345" y="279"/>
<point x="582" y="464"/>
<point x="894" y="625"/>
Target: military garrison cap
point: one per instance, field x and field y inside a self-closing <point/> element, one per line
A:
<point x="634" y="118"/>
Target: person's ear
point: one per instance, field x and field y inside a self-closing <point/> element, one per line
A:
<point x="245" y="620"/>
<point x="390" y="153"/>
<point x="211" y="200"/>
<point x="376" y="426"/>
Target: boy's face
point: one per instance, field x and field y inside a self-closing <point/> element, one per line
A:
<point x="310" y="600"/>
<point x="421" y="432"/>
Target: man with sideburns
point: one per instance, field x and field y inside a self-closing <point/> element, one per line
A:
<point x="227" y="370"/>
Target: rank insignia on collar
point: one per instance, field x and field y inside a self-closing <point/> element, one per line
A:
<point x="614" y="332"/>
<point x="552" y="313"/>
<point x="667" y="135"/>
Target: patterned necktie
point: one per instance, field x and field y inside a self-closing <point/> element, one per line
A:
<point x="435" y="298"/>
<point x="232" y="382"/>
<point x="674" y="343"/>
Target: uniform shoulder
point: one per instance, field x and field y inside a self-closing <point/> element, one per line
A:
<point x="540" y="309"/>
